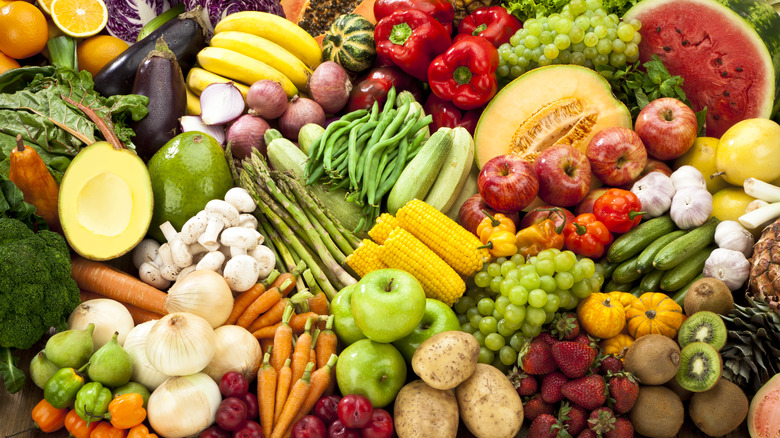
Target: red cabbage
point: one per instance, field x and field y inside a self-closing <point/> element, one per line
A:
<point x="218" y="9"/>
<point x="127" y="17"/>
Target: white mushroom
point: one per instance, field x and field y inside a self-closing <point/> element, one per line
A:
<point x="170" y="272"/>
<point x="247" y="220"/>
<point x="227" y="210"/>
<point x="240" y="239"/>
<point x="168" y="231"/>
<point x="193" y="228"/>
<point x="166" y="257"/>
<point x="180" y="253"/>
<point x="211" y="261"/>
<point x="151" y="275"/>
<point x="220" y="215"/>
<point x="241" y="272"/>
<point x="265" y="258"/>
<point x="241" y="199"/>
<point x="144" y="252"/>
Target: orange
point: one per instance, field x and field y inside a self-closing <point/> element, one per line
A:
<point x="23" y="30"/>
<point x="79" y="18"/>
<point x="44" y="4"/>
<point x="95" y="52"/>
<point x="7" y="63"/>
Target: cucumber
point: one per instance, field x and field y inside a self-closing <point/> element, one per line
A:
<point x="652" y="280"/>
<point x="626" y="272"/>
<point x="679" y="296"/>
<point x="454" y="172"/>
<point x="159" y="20"/>
<point x="686" y="271"/>
<point x="683" y="247"/>
<point x="609" y="269"/>
<point x="613" y="285"/>
<point x="631" y="243"/>
<point x="645" y="262"/>
<point x="419" y="175"/>
<point x="636" y="291"/>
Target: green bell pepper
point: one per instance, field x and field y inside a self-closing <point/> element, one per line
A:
<point x="61" y="389"/>
<point x="92" y="402"/>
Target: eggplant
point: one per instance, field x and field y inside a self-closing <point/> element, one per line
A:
<point x="159" y="78"/>
<point x="185" y="35"/>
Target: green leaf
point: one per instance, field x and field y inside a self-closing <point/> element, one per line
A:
<point x="701" y="120"/>
<point x="12" y="205"/>
<point x="13" y="377"/>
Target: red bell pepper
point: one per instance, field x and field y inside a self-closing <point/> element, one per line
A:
<point x="446" y="114"/>
<point x="441" y="10"/>
<point x="466" y="73"/>
<point x="587" y="236"/>
<point x="619" y="209"/>
<point x="494" y="24"/>
<point x="410" y="39"/>
<point x="374" y="86"/>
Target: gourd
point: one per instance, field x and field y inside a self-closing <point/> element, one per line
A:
<point x="625" y="298"/>
<point x="29" y="173"/>
<point x="601" y="315"/>
<point x="616" y="345"/>
<point x="350" y="43"/>
<point x="654" y="313"/>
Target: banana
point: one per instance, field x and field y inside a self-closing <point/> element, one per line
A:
<point x="193" y="103"/>
<point x="242" y="68"/>
<point x="277" y="29"/>
<point x="198" y="79"/>
<point x="266" y="51"/>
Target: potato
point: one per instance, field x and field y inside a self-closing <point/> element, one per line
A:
<point x="446" y="359"/>
<point x="422" y="411"/>
<point x="489" y="404"/>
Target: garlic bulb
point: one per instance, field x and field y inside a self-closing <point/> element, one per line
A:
<point x="180" y="344"/>
<point x="691" y="206"/>
<point x="732" y="267"/>
<point x="688" y="176"/>
<point x="237" y="350"/>
<point x="183" y="406"/>
<point x="108" y="315"/>
<point x="204" y="293"/>
<point x="655" y="190"/>
<point x="732" y="235"/>
<point x="135" y="345"/>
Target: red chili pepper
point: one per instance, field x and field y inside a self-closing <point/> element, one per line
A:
<point x="441" y="10"/>
<point x="466" y="73"/>
<point x="410" y="39"/>
<point x="446" y="115"/>
<point x="494" y="24"/>
<point x="587" y="236"/>
<point x="375" y="85"/>
<point x="620" y="210"/>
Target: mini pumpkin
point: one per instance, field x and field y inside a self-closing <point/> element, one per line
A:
<point x="654" y="313"/>
<point x="616" y="345"/>
<point x="601" y="315"/>
<point x="625" y="298"/>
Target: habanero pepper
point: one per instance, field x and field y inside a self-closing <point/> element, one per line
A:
<point x="106" y="430"/>
<point x="92" y="402"/>
<point x="77" y="427"/>
<point x="494" y="23"/>
<point x="410" y="40"/>
<point x="61" y="388"/>
<point x="446" y="115"/>
<point x="48" y="418"/>
<point x="140" y="431"/>
<point x="501" y="243"/>
<point x="492" y="224"/>
<point x="542" y="235"/>
<point x="441" y="10"/>
<point x="587" y="236"/>
<point x="466" y="73"/>
<point x="619" y="210"/>
<point x="127" y="410"/>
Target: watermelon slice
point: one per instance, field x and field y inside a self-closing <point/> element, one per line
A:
<point x="727" y="52"/>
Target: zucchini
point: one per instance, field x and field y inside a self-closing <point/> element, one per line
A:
<point x="651" y="282"/>
<point x="645" y="261"/>
<point x="679" y="296"/>
<point x="309" y="134"/>
<point x="609" y="268"/>
<point x="454" y="172"/>
<point x="683" y="247"/>
<point x="159" y="20"/>
<point x="636" y="291"/>
<point x="626" y="272"/>
<point x="613" y="285"/>
<point x="686" y="271"/>
<point x="631" y="243"/>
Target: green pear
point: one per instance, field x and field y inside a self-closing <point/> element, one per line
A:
<point x="41" y="369"/>
<point x="111" y="365"/>
<point x="71" y="348"/>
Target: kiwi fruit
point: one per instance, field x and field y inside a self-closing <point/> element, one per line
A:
<point x="657" y="413"/>
<point x="681" y="392"/>
<point x="700" y="367"/>
<point x="653" y="359"/>
<point x="703" y="326"/>
<point x="708" y="294"/>
<point x="720" y="410"/>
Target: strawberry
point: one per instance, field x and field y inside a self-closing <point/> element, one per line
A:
<point x="537" y="358"/>
<point x="546" y="426"/>
<point x="587" y="433"/>
<point x="582" y="338"/>
<point x="590" y="392"/>
<point x="547" y="337"/>
<point x="573" y="358"/>
<point x="535" y="406"/>
<point x="565" y="326"/>
<point x="610" y="364"/>
<point x="623" y="429"/>
<point x="551" y="387"/>
<point x="623" y="391"/>
<point x="525" y="384"/>
<point x="601" y="420"/>
<point x="575" y="418"/>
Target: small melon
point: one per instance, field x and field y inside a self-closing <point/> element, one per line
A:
<point x="557" y="104"/>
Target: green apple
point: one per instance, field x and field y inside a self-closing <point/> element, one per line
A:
<point x="343" y="322"/>
<point x="438" y="317"/>
<point x="388" y="304"/>
<point x="372" y="369"/>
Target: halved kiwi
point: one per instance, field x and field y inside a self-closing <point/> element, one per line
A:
<point x="703" y="326"/>
<point x="700" y="367"/>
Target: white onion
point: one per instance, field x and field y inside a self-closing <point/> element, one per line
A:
<point x="180" y="344"/>
<point x="195" y="123"/>
<point x="204" y="293"/>
<point x="237" y="350"/>
<point x="135" y="345"/>
<point x="183" y="406"/>
<point x="108" y="315"/>
<point x="221" y="103"/>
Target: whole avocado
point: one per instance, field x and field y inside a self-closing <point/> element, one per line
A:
<point x="187" y="172"/>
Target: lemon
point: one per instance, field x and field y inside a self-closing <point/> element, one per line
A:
<point x="730" y="203"/>
<point x="702" y="156"/>
<point x="750" y="148"/>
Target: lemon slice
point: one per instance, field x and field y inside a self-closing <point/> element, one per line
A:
<point x="79" y="18"/>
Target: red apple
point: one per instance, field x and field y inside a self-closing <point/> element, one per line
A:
<point x="617" y="155"/>
<point x="667" y="127"/>
<point x="564" y="175"/>
<point x="507" y="183"/>
<point x="543" y="212"/>
<point x="586" y="206"/>
<point x="470" y="213"/>
<point x="652" y="165"/>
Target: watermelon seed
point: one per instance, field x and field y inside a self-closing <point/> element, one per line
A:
<point x="678" y="31"/>
<point x="739" y="69"/>
<point x="667" y="48"/>
<point x="719" y="61"/>
<point x="685" y="43"/>
<point x="658" y="29"/>
<point x="724" y="74"/>
<point x="726" y="93"/>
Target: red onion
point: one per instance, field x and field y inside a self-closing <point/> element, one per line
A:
<point x="245" y="134"/>
<point x="267" y="99"/>
<point x="220" y="103"/>
<point x="329" y="86"/>
<point x="195" y="123"/>
<point x="300" y="111"/>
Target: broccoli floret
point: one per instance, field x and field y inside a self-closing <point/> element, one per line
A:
<point x="36" y="290"/>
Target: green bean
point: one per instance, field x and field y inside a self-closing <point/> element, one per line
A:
<point x="380" y="127"/>
<point x="400" y="163"/>
<point x="374" y="112"/>
<point x="388" y="141"/>
<point x="389" y="102"/>
<point x="366" y="127"/>
<point x="378" y="147"/>
<point x="328" y="155"/>
<point x="354" y="155"/>
<point x="324" y="138"/>
<point x="354" y="115"/>
<point x="422" y="123"/>
<point x="415" y="146"/>
<point x="315" y="175"/>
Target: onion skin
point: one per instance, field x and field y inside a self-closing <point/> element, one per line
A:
<point x="246" y="133"/>
<point x="300" y="111"/>
<point x="330" y="87"/>
<point x="266" y="99"/>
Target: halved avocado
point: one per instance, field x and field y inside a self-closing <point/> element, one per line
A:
<point x="105" y="201"/>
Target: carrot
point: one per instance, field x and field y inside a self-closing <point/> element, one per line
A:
<point x="139" y="315"/>
<point x="265" y="344"/>
<point x="298" y="321"/>
<point x="327" y="342"/>
<point x="282" y="341"/>
<point x="320" y="382"/>
<point x="271" y="278"/>
<point x="298" y="393"/>
<point x="319" y="303"/>
<point x="300" y="356"/>
<point x="268" y="332"/>
<point x="271" y="316"/>
<point x="285" y="283"/>
<point x="266" y="391"/>
<point x="111" y="283"/>
<point x="243" y="301"/>
<point x="283" y="383"/>
<point x="312" y="350"/>
<point x="258" y="306"/>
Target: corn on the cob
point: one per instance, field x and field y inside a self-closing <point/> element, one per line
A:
<point x="385" y="223"/>
<point x="366" y="258"/>
<point x="404" y="251"/>
<point x="453" y="243"/>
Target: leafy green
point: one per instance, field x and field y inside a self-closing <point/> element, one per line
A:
<point x="525" y="9"/>
<point x="12" y="205"/>
<point x="12" y="376"/>
<point x="618" y="7"/>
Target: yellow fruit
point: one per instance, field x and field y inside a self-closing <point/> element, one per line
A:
<point x="23" y="30"/>
<point x="79" y="18"/>
<point x="95" y="52"/>
<point x="45" y="5"/>
<point x="730" y="203"/>
<point x="750" y="148"/>
<point x="702" y="156"/>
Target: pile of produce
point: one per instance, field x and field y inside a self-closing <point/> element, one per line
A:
<point x="411" y="218"/>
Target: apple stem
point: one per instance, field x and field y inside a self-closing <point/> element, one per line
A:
<point x="717" y="174"/>
<point x="667" y="115"/>
<point x="389" y="286"/>
<point x="634" y="214"/>
<point x="493" y="221"/>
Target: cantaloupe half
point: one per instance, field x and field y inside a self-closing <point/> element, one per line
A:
<point x="557" y="104"/>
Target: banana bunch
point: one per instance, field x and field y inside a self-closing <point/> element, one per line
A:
<point x="249" y="46"/>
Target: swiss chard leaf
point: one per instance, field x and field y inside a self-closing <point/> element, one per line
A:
<point x="13" y="377"/>
<point x="12" y="205"/>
